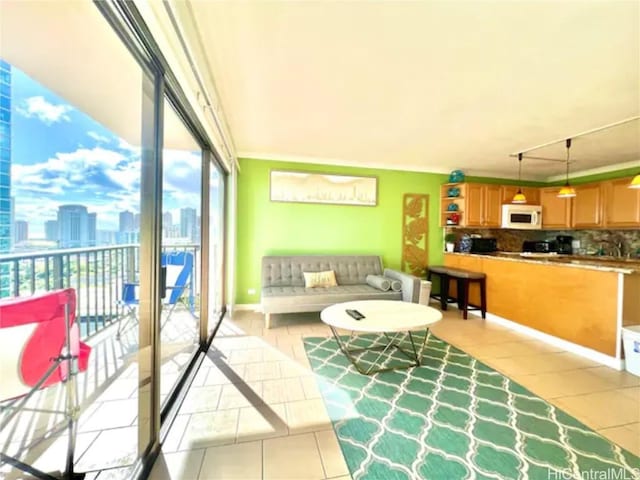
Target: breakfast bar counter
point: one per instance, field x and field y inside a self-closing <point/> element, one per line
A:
<point x="583" y="302"/>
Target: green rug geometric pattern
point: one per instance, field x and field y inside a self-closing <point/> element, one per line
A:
<point x="454" y="418"/>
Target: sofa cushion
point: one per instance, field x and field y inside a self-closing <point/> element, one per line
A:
<point x="304" y="297"/>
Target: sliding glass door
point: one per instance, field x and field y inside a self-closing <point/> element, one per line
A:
<point x="103" y="184"/>
<point x="79" y="130"/>
<point x="181" y="257"/>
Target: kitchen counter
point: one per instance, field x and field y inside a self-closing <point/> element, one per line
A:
<point x="582" y="300"/>
<point x="605" y="264"/>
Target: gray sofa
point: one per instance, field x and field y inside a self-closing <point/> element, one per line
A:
<point x="283" y="289"/>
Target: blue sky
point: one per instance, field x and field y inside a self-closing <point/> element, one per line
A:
<point x="61" y="155"/>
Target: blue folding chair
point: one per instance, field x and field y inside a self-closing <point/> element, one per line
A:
<point x="177" y="274"/>
<point x="178" y="271"/>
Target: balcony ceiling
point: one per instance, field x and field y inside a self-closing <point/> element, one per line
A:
<point x="71" y="50"/>
<point x="427" y="86"/>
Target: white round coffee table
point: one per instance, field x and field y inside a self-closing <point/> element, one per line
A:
<point x="394" y="319"/>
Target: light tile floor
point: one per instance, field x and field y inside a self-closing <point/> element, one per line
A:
<point x="255" y="412"/>
<point x="108" y="399"/>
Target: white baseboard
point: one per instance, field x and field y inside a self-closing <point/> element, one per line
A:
<point x="254" y="307"/>
<point x="585" y="352"/>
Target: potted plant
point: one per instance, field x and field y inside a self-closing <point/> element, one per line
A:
<point x="450" y="239"/>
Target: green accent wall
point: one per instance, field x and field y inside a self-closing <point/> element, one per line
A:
<point x="278" y="228"/>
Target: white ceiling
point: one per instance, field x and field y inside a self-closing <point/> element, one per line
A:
<point x="427" y="86"/>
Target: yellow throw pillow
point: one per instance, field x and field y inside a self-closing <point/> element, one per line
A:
<point x="320" y="279"/>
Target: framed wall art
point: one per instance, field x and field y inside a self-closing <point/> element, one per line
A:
<point x="312" y="187"/>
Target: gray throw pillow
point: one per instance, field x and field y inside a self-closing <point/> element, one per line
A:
<point x="379" y="282"/>
<point x="396" y="285"/>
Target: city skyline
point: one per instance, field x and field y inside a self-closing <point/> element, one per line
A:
<point x="87" y="234"/>
<point x="78" y="161"/>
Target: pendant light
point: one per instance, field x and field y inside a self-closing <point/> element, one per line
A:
<point x="519" y="196"/>
<point x="635" y="183"/>
<point x="567" y="191"/>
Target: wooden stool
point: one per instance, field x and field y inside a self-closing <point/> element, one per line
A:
<point x="463" y="279"/>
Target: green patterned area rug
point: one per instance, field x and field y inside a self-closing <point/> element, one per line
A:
<point x="454" y="418"/>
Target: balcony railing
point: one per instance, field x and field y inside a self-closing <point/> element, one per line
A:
<point x="97" y="274"/>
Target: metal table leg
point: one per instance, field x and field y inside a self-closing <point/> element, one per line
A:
<point x="415" y="355"/>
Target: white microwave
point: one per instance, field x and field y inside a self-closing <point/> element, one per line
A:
<point x="523" y="217"/>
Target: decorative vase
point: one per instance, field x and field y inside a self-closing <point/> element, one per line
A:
<point x="456" y="176"/>
<point x="465" y="244"/>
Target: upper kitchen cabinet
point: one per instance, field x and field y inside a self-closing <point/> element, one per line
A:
<point x="587" y="206"/>
<point x="622" y="204"/>
<point x="532" y="194"/>
<point x="484" y="205"/>
<point x="556" y="212"/>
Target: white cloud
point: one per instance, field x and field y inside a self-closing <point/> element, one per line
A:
<point x="47" y="112"/>
<point x="124" y="145"/>
<point x="106" y="181"/>
<point x="98" y="138"/>
<point x="103" y="180"/>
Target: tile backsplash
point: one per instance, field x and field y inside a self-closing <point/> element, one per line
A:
<point x="590" y="240"/>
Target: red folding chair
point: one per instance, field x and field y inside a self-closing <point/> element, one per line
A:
<point x="40" y="346"/>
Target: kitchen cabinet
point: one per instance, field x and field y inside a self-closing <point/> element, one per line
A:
<point x="532" y="194"/>
<point x="621" y="204"/>
<point x="556" y="212"/>
<point x="492" y="205"/>
<point x="474" y="205"/>
<point x="587" y="206"/>
<point x="606" y="204"/>
<point x="484" y="205"/>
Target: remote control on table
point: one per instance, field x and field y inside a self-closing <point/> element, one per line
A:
<point x="355" y="314"/>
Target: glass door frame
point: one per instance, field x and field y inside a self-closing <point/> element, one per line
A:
<point x="132" y="30"/>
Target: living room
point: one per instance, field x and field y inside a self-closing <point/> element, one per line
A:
<point x="318" y="106"/>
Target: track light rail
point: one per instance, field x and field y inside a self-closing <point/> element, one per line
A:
<point x="587" y="132"/>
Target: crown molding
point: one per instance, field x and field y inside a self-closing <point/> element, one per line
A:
<point x="595" y="171"/>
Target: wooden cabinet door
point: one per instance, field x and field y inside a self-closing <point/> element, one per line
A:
<point x="507" y="193"/>
<point x="474" y="205"/>
<point x="532" y="194"/>
<point x="556" y="212"/>
<point x="587" y="206"/>
<point x="622" y="204"/>
<point x="492" y="205"/>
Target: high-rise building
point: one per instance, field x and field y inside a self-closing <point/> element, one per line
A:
<point x="20" y="231"/>
<point x="51" y="230"/>
<point x="106" y="237"/>
<point x="136" y="222"/>
<point x="167" y="219"/>
<point x="92" y="219"/>
<point x="126" y="222"/>
<point x="73" y="226"/>
<point x="5" y="173"/>
<point x="188" y="223"/>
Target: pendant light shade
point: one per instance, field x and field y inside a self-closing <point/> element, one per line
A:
<point x="635" y="183"/>
<point x="567" y="191"/>
<point x="519" y="196"/>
